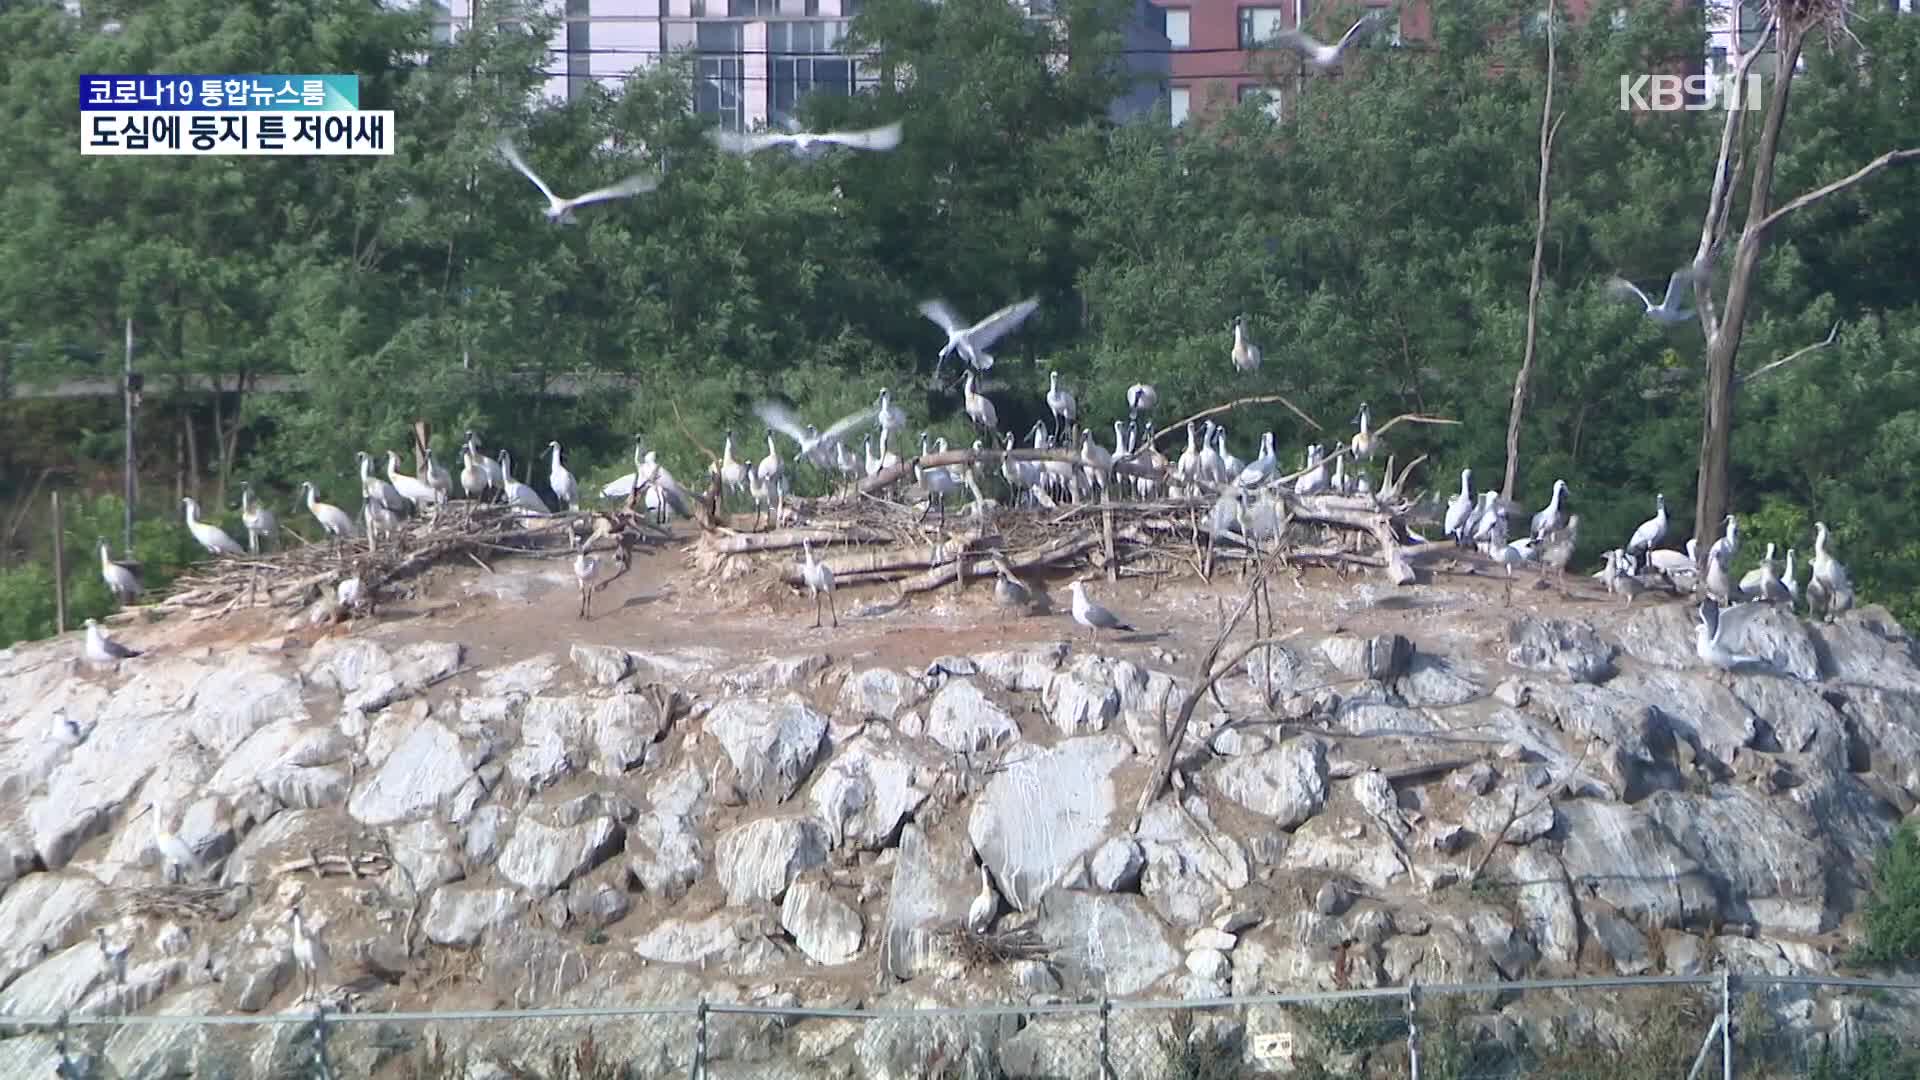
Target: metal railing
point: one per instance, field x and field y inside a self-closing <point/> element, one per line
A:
<point x="1699" y="1026"/>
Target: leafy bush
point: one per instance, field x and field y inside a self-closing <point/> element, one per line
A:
<point x="1893" y="914"/>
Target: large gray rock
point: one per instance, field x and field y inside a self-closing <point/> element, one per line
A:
<point x="1884" y="735"/>
<point x="460" y="915"/>
<point x="240" y="696"/>
<point x="1560" y="646"/>
<point x="1287" y="783"/>
<point x="542" y="859"/>
<point x="825" y="928"/>
<point x="1021" y="671"/>
<point x="689" y="941"/>
<point x="1627" y="859"/>
<point x="1189" y="862"/>
<point x="603" y="665"/>
<point x="42" y="913"/>
<point x="1042" y="812"/>
<point x="1768" y="858"/>
<point x="552" y="742"/>
<point x="868" y="789"/>
<point x="772" y="745"/>
<point x="623" y="729"/>
<point x="781" y="673"/>
<point x="1113" y="944"/>
<point x="1867" y="647"/>
<point x="1545" y="903"/>
<point x="664" y="855"/>
<point x="964" y="720"/>
<point x="758" y="860"/>
<point x="426" y="764"/>
<point x="932" y="886"/>
<point x="877" y="694"/>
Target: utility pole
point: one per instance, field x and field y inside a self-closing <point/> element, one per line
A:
<point x="130" y="395"/>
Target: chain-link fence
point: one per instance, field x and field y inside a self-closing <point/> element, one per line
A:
<point x="1604" y="1029"/>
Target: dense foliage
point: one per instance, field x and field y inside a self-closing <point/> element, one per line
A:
<point x="1377" y="238"/>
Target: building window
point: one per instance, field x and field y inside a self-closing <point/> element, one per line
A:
<point x="1179" y="22"/>
<point x="1177" y="99"/>
<point x="579" y="46"/>
<point x="813" y="8"/>
<point x="721" y="83"/>
<point x="752" y="9"/>
<point x="697" y="8"/>
<point x="806" y="60"/>
<point x="1619" y="18"/>
<point x="1259" y="24"/>
<point x="442" y="23"/>
<point x="1268" y="98"/>
<point x="850" y="8"/>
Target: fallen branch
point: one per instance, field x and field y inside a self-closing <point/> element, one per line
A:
<point x="745" y="543"/>
<point x="1263" y="399"/>
<point x="1208" y="674"/>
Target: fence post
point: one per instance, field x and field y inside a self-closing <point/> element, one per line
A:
<point x="59" y="569"/>
<point x="1413" y="1031"/>
<point x="320" y="1066"/>
<point x="699" y="1071"/>
<point x="1726" y="1023"/>
<point x="1106" y="1041"/>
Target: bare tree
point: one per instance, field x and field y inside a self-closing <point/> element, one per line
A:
<point x="1787" y="28"/>
<point x="1549" y="127"/>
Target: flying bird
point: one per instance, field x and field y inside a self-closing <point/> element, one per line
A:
<point x="559" y="210"/>
<point x="972" y="342"/>
<point x="815" y="445"/>
<point x="1322" y="55"/>
<point x="880" y="138"/>
<point x="1673" y="308"/>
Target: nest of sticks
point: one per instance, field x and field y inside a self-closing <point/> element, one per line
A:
<point x="301" y="571"/>
<point x="867" y="536"/>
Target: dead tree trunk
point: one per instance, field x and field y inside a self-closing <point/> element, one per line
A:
<point x="1517" y="411"/>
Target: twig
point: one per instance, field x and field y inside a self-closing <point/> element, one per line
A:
<point x="1891" y="157"/>
<point x="1515" y="813"/>
<point x="1163" y="770"/>
<point x="1262" y="399"/>
<point x="1742" y="380"/>
<point x="698" y="445"/>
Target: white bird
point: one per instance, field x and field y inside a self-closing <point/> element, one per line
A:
<point x="1230" y="465"/>
<point x="1720" y="584"/>
<point x="1716" y="623"/>
<point x="260" y="522"/>
<point x="1208" y="467"/>
<point x="174" y="852"/>
<point x="1763" y="582"/>
<point x="119" y="577"/>
<point x="560" y="480"/>
<point x="351" y="592"/>
<point x="585" y="568"/>
<point x="1555" y="515"/>
<point x="1489" y="521"/>
<point x="1519" y="552"/>
<point x="559" y="210"/>
<point x="334" y="520"/>
<point x="1671" y="309"/>
<point x="1619" y="577"/>
<point x="475" y="478"/>
<point x="1061" y="404"/>
<point x="519" y="494"/>
<point x="410" y="488"/>
<point x="1728" y="545"/>
<point x="980" y="913"/>
<point x="1189" y="464"/>
<point x="437" y="479"/>
<point x="889" y="416"/>
<point x="1314" y="480"/>
<point x="101" y="649"/>
<point x="1682" y="570"/>
<point x="644" y="468"/>
<point x="1009" y="592"/>
<point x="1788" y="582"/>
<point x="211" y="537"/>
<point x="1830" y="589"/>
<point x="310" y="955"/>
<point x="378" y="521"/>
<point x="1092" y="616"/>
<point x="1246" y="355"/>
<point x="1322" y="55"/>
<point x="881" y="138"/>
<point x="818" y="578"/>
<point x="1363" y="440"/>
<point x="1651" y="531"/>
<point x="733" y="472"/>
<point x="772" y="476"/>
<point x="1096" y="458"/>
<point x="816" y="446"/>
<point x="115" y="956"/>
<point x="939" y="483"/>
<point x="1460" y="508"/>
<point x="1141" y="398"/>
<point x="972" y="342"/>
<point x="1261" y="467"/>
<point x="979" y="409"/>
<point x="378" y="489"/>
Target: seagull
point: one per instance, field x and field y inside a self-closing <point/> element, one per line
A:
<point x="979" y="409"/>
<point x="211" y="537"/>
<point x="1619" y="579"/>
<point x="980" y="913"/>
<point x="174" y="852"/>
<point x="1763" y="582"/>
<point x="333" y="519"/>
<point x="1323" y="56"/>
<point x="1673" y="308"/>
<point x="560" y="480"/>
<point x="1092" y="616"/>
<point x="1651" y="531"/>
<point x="1555" y="515"/>
<point x="310" y="954"/>
<point x="1720" y="584"/>
<point x="1555" y="549"/>
<point x="119" y="577"/>
<point x="1010" y="592"/>
<point x="101" y="649"/>
<point x="1141" y="398"/>
<point x="880" y="138"/>
<point x="585" y="568"/>
<point x="1246" y="355"/>
<point x="818" y="578"/>
<point x="559" y="210"/>
<point x="972" y="342"/>
<point x="1261" y="467"/>
<point x="1675" y="566"/>
<point x="815" y="446"/>
<point x="1729" y="543"/>
<point x="260" y="522"/>
<point x="1830" y="590"/>
<point x="1061" y="404"/>
<point x="1717" y="622"/>
<point x="1460" y="509"/>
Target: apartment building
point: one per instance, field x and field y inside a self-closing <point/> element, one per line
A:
<point x="756" y="59"/>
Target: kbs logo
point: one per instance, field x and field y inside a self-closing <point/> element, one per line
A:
<point x="1689" y="93"/>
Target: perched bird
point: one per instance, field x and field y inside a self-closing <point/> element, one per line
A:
<point x="1717" y="623"/>
<point x="438" y="479"/>
<point x="1555" y="515"/>
<point x="1830" y="589"/>
<point x="1092" y="616"/>
<point x="1009" y="592"/>
<point x="416" y="491"/>
<point x="211" y="537"/>
<point x="101" y="649"/>
<point x="378" y="488"/>
<point x="260" y="522"/>
<point x="1619" y="579"/>
<point x="120" y="578"/>
<point x="519" y="495"/>
<point x="1651" y="531"/>
<point x="1261" y="468"/>
<point x="1363" y="440"/>
<point x="985" y="906"/>
<point x="310" y="955"/>
<point x="1789" y="581"/>
<point x="1720" y="584"/>
<point x="560" y="480"/>
<point x="1061" y="404"/>
<point x="889" y="416"/>
<point x="1555" y="550"/>
<point x="1460" y="509"/>
<point x="1518" y="553"/>
<point x="586" y="567"/>
<point x="1246" y="355"/>
<point x="1141" y="398"/>
<point x="1321" y="55"/>
<point x="1681" y="571"/>
<point x="174" y="852"/>
<point x="475" y="478"/>
<point x="559" y="210"/>
<point x="1314" y="480"/>
<point x="1763" y="582"/>
<point x="334" y="520"/>
<point x="1671" y="309"/>
<point x="818" y="578"/>
<point x="979" y="409"/>
<point x="972" y="342"/>
<point x="881" y="138"/>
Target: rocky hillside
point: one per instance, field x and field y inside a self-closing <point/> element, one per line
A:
<point x="1425" y="786"/>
